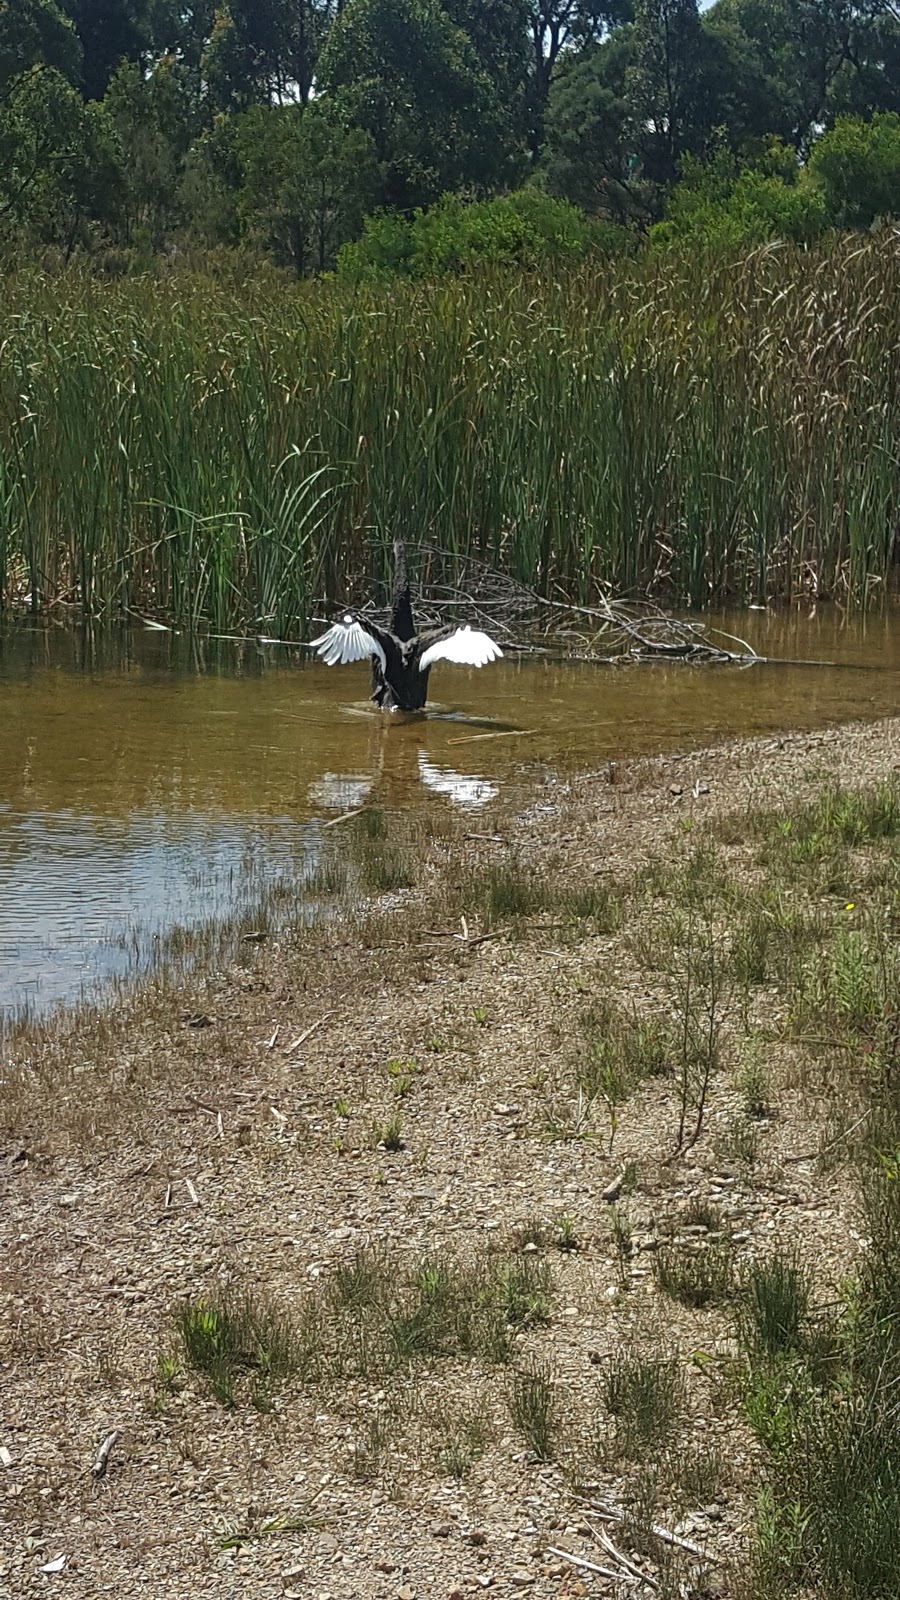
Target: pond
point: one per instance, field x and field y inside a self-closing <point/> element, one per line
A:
<point x="148" y="782"/>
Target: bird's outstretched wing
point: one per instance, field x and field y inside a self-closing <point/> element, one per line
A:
<point x="348" y="641"/>
<point x="467" y="646"/>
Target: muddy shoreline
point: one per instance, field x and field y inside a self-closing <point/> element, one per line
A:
<point x="224" y="1133"/>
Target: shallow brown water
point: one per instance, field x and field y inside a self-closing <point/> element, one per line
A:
<point x="145" y="783"/>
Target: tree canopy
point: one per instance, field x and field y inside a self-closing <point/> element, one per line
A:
<point x="134" y="130"/>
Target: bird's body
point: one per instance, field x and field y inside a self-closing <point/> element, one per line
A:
<point x="402" y="658"/>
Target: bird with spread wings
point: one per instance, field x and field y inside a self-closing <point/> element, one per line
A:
<point x="402" y="658"/>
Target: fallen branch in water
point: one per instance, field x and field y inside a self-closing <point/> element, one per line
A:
<point x="344" y="817"/>
<point x="507" y="733"/>
<point x="463" y="588"/>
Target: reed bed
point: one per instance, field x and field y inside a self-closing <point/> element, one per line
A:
<point x="225" y="456"/>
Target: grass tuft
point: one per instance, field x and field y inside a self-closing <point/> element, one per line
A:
<point x="525" y="1288"/>
<point x="223" y="1338"/>
<point x="645" y="1396"/>
<point x="534" y="1409"/>
<point x="697" y="1276"/>
<point x="773" y="1305"/>
<point x="508" y="892"/>
<point x="459" y="1435"/>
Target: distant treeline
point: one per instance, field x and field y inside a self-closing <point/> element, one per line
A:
<point x="702" y="427"/>
<point x="418" y="136"/>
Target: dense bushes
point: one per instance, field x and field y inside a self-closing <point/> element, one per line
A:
<point x="721" y="206"/>
<point x="851" y="180"/>
<point x="856" y="168"/>
<point x="527" y="228"/>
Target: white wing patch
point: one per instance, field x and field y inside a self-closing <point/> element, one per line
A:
<point x="466" y="646"/>
<point x="347" y="641"/>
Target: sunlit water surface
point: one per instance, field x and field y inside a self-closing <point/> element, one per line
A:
<point x="147" y="783"/>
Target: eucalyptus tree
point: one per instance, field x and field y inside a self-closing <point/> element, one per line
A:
<point x="40" y="108"/>
<point x="110" y="32"/>
<point x="266" y="51"/>
<point x="666" y="85"/>
<point x="791" y="66"/>
<point x="499" y="33"/>
<point x="412" y="79"/>
<point x="586" y="155"/>
<point x="308" y="177"/>
<point x="153" y="116"/>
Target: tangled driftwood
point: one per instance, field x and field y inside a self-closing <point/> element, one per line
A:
<point x="523" y="620"/>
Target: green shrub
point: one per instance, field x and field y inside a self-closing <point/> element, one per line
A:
<point x="857" y="168"/>
<point x="721" y="207"/>
<point x="527" y="228"/>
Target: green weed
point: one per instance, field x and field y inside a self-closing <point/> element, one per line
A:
<point x="696" y="1275"/>
<point x="754" y="1083"/>
<point x="389" y="1135"/>
<point x="533" y="1407"/>
<point x="645" y="1396"/>
<point x="774" y="1303"/>
<point x="566" y="1238"/>
<point x="402" y="1076"/>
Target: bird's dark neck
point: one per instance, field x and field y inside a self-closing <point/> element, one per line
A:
<point x="402" y="624"/>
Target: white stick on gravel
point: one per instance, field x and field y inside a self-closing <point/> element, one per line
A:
<point x="101" y="1459"/>
<point x="311" y="1029"/>
<point x="579" y="1561"/>
<point x="624" y="1561"/>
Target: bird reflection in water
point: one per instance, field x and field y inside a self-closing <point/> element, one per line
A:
<point x="399" y="766"/>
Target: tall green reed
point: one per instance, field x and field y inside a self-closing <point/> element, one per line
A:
<point x="700" y="429"/>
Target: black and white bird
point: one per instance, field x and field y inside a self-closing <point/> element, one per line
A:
<point x="402" y="658"/>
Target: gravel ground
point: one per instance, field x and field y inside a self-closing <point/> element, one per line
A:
<point x="216" y="1156"/>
